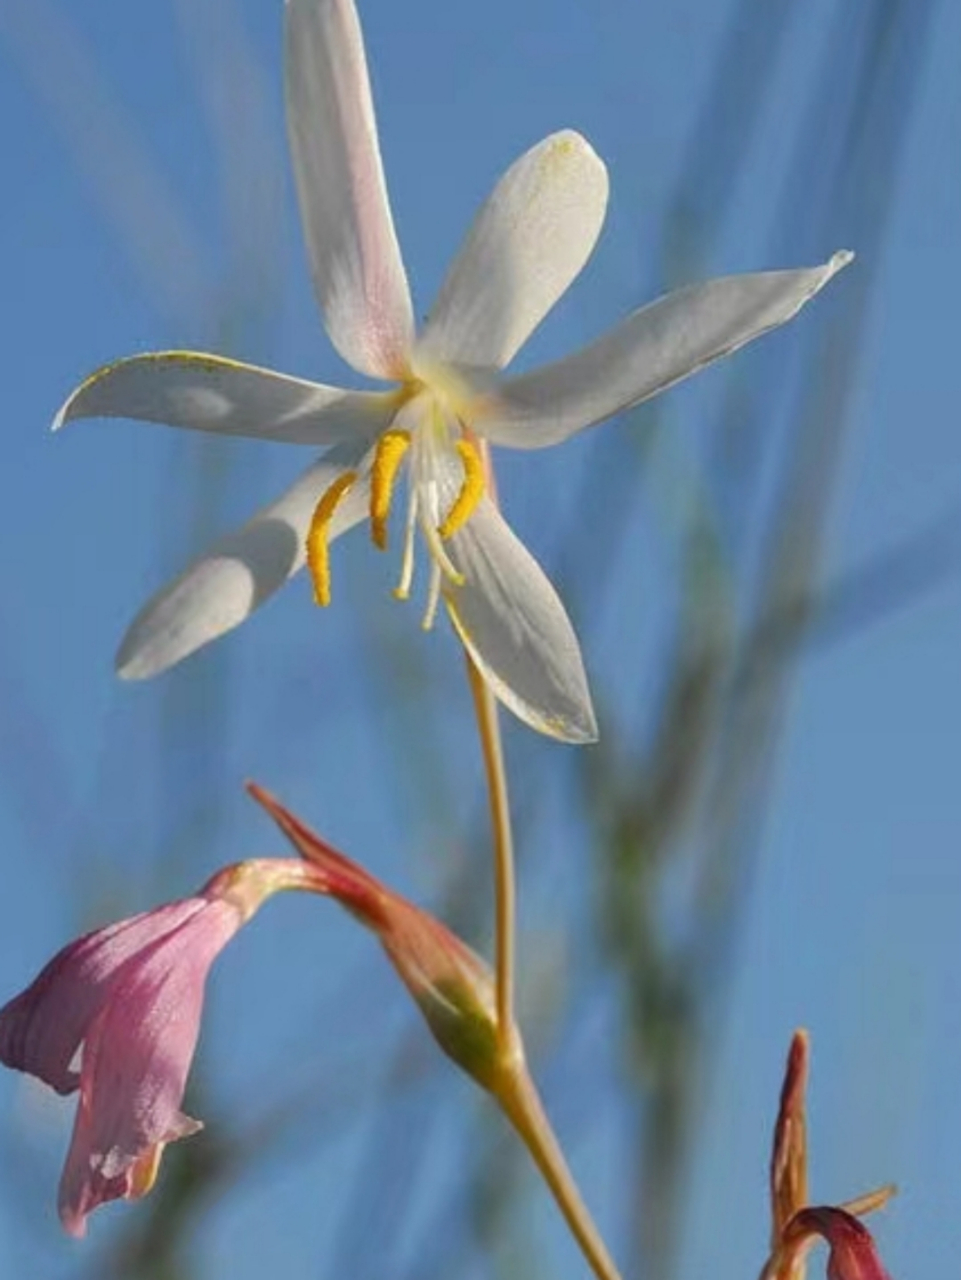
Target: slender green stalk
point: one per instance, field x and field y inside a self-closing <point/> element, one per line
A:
<point x="505" y="894"/>
<point x="521" y="1103"/>
<point x="511" y="1083"/>
<point x="488" y="726"/>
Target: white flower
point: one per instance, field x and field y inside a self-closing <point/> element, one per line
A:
<point x="527" y="244"/>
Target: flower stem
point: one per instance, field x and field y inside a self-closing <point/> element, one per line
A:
<point x="488" y="726"/>
<point x="522" y="1105"/>
<point x="513" y="1086"/>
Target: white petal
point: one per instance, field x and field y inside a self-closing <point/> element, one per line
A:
<point x="355" y="259"/>
<point x="526" y="245"/>
<point x="224" y="586"/>
<point x="647" y="353"/>
<point x="210" y="393"/>
<point x="512" y="622"/>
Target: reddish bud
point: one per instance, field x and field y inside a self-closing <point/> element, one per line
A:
<point x="794" y="1224"/>
<point x="451" y="984"/>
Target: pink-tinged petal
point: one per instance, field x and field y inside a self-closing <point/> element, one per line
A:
<point x="647" y="353"/>
<point x="452" y="985"/>
<point x="136" y="1057"/>
<point x="852" y="1255"/>
<point x="789" y="1187"/>
<point x="126" y="1002"/>
<point x="238" y="574"/>
<point x="358" y="273"/>
<point x="203" y="392"/>
<point x="528" y="242"/>
<point x="42" y="1028"/>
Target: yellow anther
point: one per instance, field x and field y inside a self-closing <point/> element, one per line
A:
<point x="471" y="491"/>
<point x="318" y="536"/>
<point x="143" y="1172"/>
<point x="391" y="448"/>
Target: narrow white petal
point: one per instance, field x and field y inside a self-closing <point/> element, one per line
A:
<point x="512" y="622"/>
<point x="355" y="259"/>
<point x="210" y="393"/>
<point x="225" y="585"/>
<point x="527" y="244"/>
<point x="647" y="353"/>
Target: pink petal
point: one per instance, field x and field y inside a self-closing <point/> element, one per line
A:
<point x="355" y="260"/>
<point x="136" y="1057"/>
<point x="42" y="1028"/>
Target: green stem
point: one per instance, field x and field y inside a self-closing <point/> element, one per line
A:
<point x="522" y="1105"/>
<point x="488" y="726"/>
<point x="512" y="1086"/>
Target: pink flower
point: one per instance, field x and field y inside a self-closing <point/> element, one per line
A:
<point x="123" y="1004"/>
<point x="795" y="1223"/>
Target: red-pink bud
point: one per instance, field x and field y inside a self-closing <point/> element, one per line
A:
<point x="789" y="1183"/>
<point x="451" y="984"/>
<point x="794" y="1224"/>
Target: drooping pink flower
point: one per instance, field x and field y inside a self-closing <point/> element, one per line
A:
<point x="115" y="1015"/>
<point x="795" y="1224"/>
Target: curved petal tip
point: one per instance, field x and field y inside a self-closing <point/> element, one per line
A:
<point x="514" y="626"/>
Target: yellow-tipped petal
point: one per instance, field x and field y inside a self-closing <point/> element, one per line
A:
<point x="527" y="244"/>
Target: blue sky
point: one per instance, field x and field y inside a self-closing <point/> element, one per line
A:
<point x="851" y="928"/>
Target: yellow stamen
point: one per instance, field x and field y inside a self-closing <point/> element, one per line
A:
<point x="471" y="491"/>
<point x="318" y="536"/>
<point x="143" y="1172"/>
<point x="391" y="448"/>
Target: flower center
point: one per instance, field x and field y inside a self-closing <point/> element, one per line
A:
<point x="420" y="438"/>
